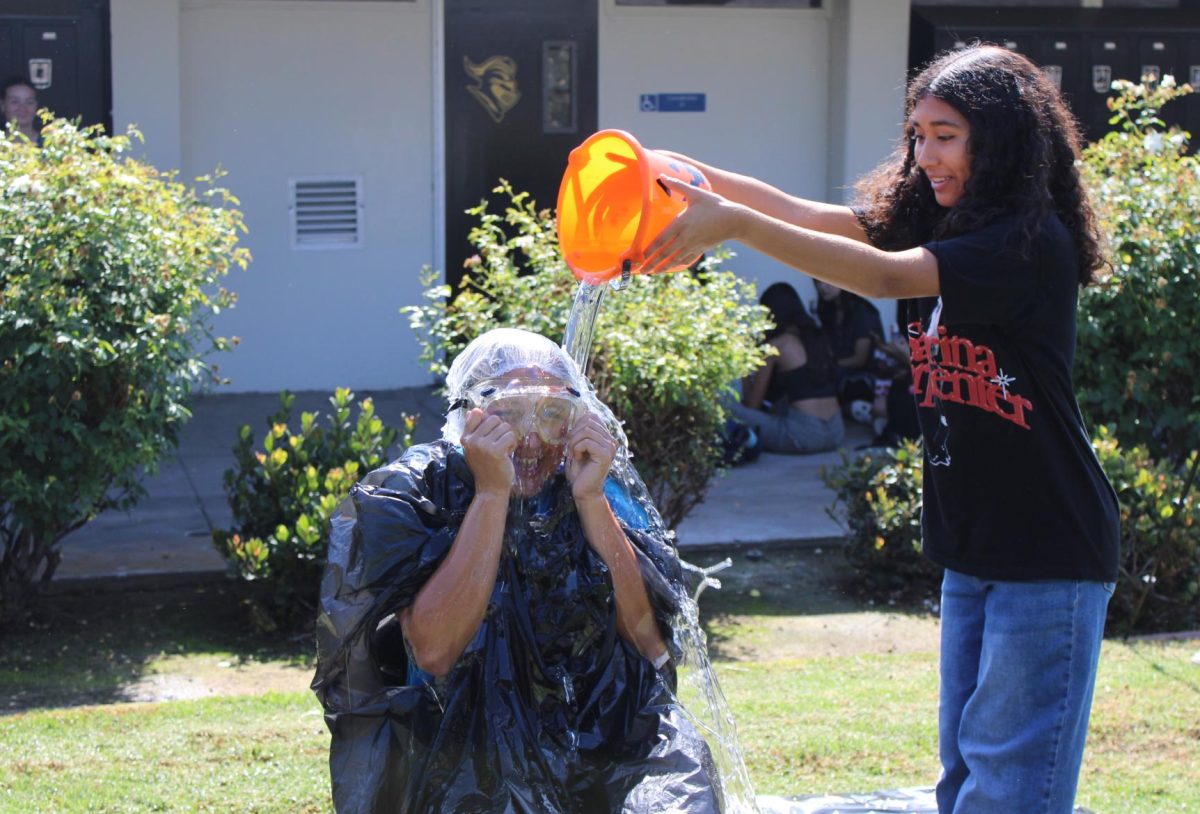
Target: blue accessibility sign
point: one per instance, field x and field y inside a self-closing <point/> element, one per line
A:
<point x="672" y="102"/>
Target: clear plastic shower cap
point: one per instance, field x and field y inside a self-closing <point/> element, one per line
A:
<point x="500" y="354"/>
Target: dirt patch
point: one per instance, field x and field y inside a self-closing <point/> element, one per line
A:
<point x="189" y="679"/>
<point x="783" y="603"/>
<point x="838" y="634"/>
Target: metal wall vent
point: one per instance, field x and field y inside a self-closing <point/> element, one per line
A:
<point x="326" y="212"/>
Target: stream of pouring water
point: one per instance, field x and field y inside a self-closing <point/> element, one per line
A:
<point x="581" y="323"/>
<point x="697" y="689"/>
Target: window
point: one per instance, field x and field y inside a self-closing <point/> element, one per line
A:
<point x="558" y="87"/>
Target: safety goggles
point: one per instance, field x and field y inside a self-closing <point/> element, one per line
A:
<point x="529" y="406"/>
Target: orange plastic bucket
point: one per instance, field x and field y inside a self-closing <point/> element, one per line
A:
<point x="611" y="205"/>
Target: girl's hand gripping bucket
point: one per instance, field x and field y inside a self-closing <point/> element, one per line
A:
<point x="611" y="205"/>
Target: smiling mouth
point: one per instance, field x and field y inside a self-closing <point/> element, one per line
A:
<point x="527" y="466"/>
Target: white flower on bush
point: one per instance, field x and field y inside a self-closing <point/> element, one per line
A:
<point x="1153" y="142"/>
<point x="1168" y="81"/>
<point x="26" y="184"/>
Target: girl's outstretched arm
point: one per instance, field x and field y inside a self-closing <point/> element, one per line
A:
<point x="847" y="263"/>
<point x="762" y="197"/>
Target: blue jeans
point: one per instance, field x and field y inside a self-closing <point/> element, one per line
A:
<point x="789" y="431"/>
<point x="1018" y="669"/>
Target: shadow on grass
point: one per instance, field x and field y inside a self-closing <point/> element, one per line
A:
<point x="89" y="646"/>
<point x="1182" y="675"/>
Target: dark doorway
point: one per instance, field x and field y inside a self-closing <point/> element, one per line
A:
<point x="1082" y="49"/>
<point x="62" y="47"/>
<point x="520" y="95"/>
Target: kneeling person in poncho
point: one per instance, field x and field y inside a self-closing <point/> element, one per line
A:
<point x="497" y="609"/>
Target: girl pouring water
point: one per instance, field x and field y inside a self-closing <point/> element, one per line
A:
<point x="979" y="221"/>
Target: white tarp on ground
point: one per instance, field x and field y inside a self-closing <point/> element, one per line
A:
<point x="908" y="801"/>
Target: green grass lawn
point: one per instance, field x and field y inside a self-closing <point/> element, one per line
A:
<point x="244" y="754"/>
<point x="824" y="725"/>
<point x="836" y="725"/>
<point x="817" y="725"/>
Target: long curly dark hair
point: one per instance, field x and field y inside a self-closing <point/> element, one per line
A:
<point x="1023" y="145"/>
<point x="789" y="314"/>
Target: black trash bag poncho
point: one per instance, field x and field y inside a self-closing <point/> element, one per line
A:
<point x="548" y="709"/>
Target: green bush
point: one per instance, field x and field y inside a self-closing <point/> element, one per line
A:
<point x="1139" y="345"/>
<point x="666" y="347"/>
<point x="1159" y="583"/>
<point x="879" y="493"/>
<point x="108" y="281"/>
<point x="283" y="496"/>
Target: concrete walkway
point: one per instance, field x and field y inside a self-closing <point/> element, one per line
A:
<point x="775" y="500"/>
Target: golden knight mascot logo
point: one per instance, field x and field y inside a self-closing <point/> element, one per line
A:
<point x="495" y="84"/>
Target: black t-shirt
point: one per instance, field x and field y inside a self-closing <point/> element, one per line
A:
<point x="1012" y="487"/>
<point x="861" y="320"/>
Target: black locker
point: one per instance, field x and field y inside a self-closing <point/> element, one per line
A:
<point x="1086" y="48"/>
<point x="51" y="61"/>
<point x="8" y="59"/>
<point x="1190" y="68"/>
<point x="61" y="46"/>
<point x="1158" y="55"/>
<point x="1062" y="58"/>
<point x="1111" y="57"/>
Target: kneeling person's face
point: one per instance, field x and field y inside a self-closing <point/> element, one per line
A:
<point x="541" y="417"/>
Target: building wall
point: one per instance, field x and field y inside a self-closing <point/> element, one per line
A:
<point x="867" y="87"/>
<point x="869" y="61"/>
<point x="274" y="89"/>
<point x="764" y="72"/>
<point x="145" y="76"/>
<point x="806" y="99"/>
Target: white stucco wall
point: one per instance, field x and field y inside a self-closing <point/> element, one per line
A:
<point x="274" y="89"/>
<point x="806" y="99"/>
<point x="869" y="59"/>
<point x="765" y="76"/>
<point x="145" y="76"/>
<point x="867" y="95"/>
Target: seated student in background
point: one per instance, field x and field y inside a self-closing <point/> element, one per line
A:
<point x="791" y="401"/>
<point x="18" y="107"/>
<point x="895" y="409"/>
<point x="874" y="378"/>
<point x="853" y="326"/>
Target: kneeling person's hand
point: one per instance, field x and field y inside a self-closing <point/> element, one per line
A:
<point x="488" y="442"/>
<point x="590" y="452"/>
